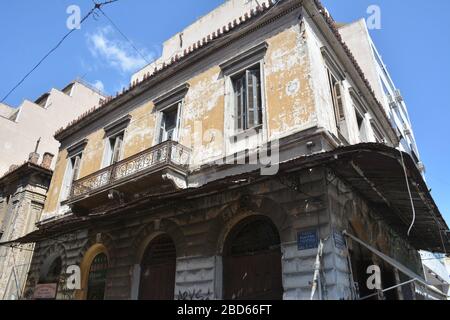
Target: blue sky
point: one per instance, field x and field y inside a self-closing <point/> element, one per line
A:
<point x="414" y="41"/>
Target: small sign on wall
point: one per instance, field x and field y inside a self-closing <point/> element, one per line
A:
<point x="308" y="239"/>
<point x="45" y="291"/>
<point x="339" y="240"/>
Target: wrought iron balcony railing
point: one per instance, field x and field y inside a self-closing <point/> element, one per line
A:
<point x="166" y="153"/>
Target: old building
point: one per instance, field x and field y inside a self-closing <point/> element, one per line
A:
<point x="32" y="120"/>
<point x="22" y="193"/>
<point x="236" y="167"/>
<point x="356" y="36"/>
<point x="25" y="177"/>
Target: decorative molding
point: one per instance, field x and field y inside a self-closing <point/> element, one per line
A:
<point x="332" y="63"/>
<point x="117" y="126"/>
<point x="178" y="181"/>
<point x="249" y="57"/>
<point x="77" y="148"/>
<point x="171" y="97"/>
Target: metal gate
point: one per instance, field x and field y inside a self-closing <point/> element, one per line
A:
<point x="252" y="262"/>
<point x="158" y="269"/>
<point x="97" y="278"/>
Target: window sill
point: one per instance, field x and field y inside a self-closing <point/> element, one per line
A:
<point x="248" y="133"/>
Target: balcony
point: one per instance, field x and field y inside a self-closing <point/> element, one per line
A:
<point x="158" y="169"/>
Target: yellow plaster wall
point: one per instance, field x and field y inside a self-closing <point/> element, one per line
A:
<point x="290" y="98"/>
<point x="93" y="153"/>
<point x="140" y="133"/>
<point x="290" y="107"/>
<point x="51" y="203"/>
<point x="203" y="114"/>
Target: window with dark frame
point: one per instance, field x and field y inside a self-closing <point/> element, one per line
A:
<point x="336" y="96"/>
<point x="361" y="128"/>
<point x="248" y="99"/>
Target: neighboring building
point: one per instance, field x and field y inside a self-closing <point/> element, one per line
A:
<point x="436" y="272"/>
<point x="356" y="36"/>
<point x="23" y="126"/>
<point x="166" y="197"/>
<point x="22" y="195"/>
<point x="24" y="177"/>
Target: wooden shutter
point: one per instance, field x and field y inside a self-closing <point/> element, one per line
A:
<point x="117" y="149"/>
<point x="178" y="121"/>
<point x="76" y="168"/>
<point x="254" y="104"/>
<point x="339" y="101"/>
<point x="162" y="128"/>
<point x="239" y="89"/>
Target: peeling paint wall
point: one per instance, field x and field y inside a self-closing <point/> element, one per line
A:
<point x="140" y="133"/>
<point x="52" y="205"/>
<point x="288" y="95"/>
<point x="288" y="84"/>
<point x="23" y="211"/>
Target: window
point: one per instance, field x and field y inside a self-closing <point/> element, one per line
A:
<point x="169" y="107"/>
<point x="361" y="126"/>
<point x="114" y="141"/>
<point x="114" y="147"/>
<point x="72" y="174"/>
<point x="170" y="121"/>
<point x="247" y="99"/>
<point x="377" y="133"/>
<point x="69" y="89"/>
<point x="337" y="99"/>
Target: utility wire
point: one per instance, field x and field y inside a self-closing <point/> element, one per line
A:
<point x="97" y="6"/>
<point x="124" y="36"/>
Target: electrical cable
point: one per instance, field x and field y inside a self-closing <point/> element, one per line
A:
<point x="96" y="7"/>
<point x="410" y="194"/>
<point x="124" y="36"/>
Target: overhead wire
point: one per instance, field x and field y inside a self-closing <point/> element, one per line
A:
<point x="124" y="36"/>
<point x="97" y="6"/>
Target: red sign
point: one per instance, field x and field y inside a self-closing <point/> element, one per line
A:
<point x="46" y="291"/>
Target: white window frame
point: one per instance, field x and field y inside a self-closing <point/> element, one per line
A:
<point x="174" y="98"/>
<point x="112" y="131"/>
<point x="110" y="150"/>
<point x="69" y="176"/>
<point x="176" y="134"/>
<point x="333" y="69"/>
<point x="239" y="140"/>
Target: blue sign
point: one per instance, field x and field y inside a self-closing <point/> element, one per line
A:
<point x="339" y="240"/>
<point x="307" y="240"/>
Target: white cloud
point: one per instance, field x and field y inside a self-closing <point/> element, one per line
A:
<point x="116" y="53"/>
<point x="99" y="85"/>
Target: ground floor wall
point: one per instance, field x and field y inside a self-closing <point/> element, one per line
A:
<point x="292" y="226"/>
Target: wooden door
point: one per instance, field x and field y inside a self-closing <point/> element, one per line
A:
<point x="158" y="270"/>
<point x="252" y="263"/>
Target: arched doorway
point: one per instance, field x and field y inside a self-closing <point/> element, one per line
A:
<point x="158" y="268"/>
<point x="97" y="277"/>
<point x="52" y="274"/>
<point x="252" y="262"/>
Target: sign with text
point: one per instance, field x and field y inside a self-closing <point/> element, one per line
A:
<point x="308" y="239"/>
<point x="339" y="240"/>
<point x="45" y="291"/>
